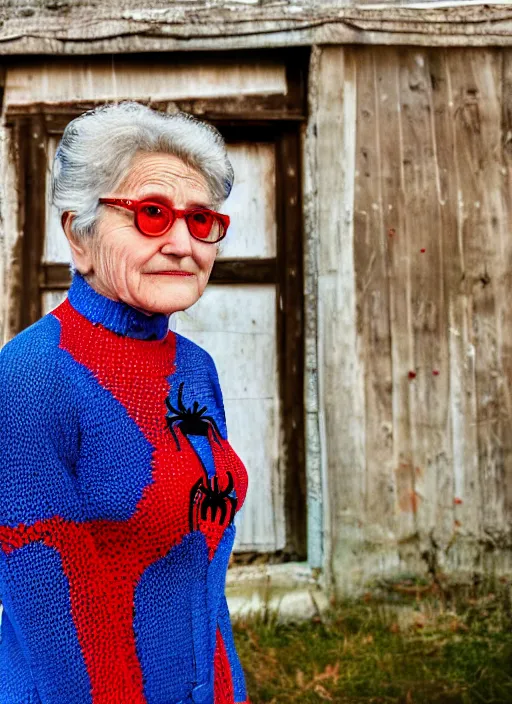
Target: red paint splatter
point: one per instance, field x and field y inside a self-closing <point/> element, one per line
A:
<point x="412" y="375"/>
<point x="423" y="250"/>
<point x="415" y="499"/>
<point x="457" y="500"/>
<point x="435" y="372"/>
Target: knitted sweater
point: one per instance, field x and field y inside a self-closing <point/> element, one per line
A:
<point x="117" y="499"/>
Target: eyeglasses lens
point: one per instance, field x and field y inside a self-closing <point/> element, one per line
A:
<point x="153" y="220"/>
<point x="205" y="226"/>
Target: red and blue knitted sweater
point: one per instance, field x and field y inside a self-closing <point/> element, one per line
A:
<point x="117" y="499"/>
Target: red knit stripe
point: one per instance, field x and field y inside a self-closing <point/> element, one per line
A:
<point x="223" y="693"/>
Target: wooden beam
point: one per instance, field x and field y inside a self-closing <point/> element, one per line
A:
<point x="82" y="28"/>
<point x="340" y="363"/>
<point x="240" y="271"/>
<point x="246" y="110"/>
<point x="290" y="330"/>
<point x="57" y="277"/>
<point x="32" y="148"/>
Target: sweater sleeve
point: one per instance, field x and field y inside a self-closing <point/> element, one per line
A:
<point x="37" y="445"/>
<point x="38" y="437"/>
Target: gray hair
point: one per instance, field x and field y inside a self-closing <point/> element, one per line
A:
<point x="97" y="148"/>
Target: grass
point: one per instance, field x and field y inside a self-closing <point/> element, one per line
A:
<point x="411" y="646"/>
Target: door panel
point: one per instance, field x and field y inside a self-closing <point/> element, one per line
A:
<point x="55" y="247"/>
<point x="251" y="203"/>
<point x="51" y="299"/>
<point x="236" y="324"/>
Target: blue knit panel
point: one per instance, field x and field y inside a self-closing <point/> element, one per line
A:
<point x="15" y="679"/>
<point x="53" y="407"/>
<point x="171" y="624"/>
<point x="217" y="581"/>
<point x="196" y="369"/>
<point x="35" y="592"/>
<point x="114" y="465"/>
<point x="36" y="430"/>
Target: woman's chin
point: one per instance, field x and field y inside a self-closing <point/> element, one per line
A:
<point x="168" y="302"/>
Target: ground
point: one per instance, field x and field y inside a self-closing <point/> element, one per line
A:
<point x="412" y="645"/>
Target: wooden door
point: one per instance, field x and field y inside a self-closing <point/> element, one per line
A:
<point x="250" y="316"/>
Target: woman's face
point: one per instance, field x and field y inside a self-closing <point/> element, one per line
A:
<point x="123" y="264"/>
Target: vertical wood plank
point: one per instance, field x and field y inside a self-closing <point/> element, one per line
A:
<point x="10" y="234"/>
<point x="32" y="141"/>
<point x="372" y="228"/>
<point x="399" y="279"/>
<point x="476" y="81"/>
<point x="462" y="418"/>
<point x="290" y="332"/>
<point x="431" y="501"/>
<point x="316" y="484"/>
<point x="506" y="281"/>
<point x="340" y="364"/>
<point x="469" y="82"/>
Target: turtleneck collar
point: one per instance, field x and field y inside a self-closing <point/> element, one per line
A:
<point x="116" y="316"/>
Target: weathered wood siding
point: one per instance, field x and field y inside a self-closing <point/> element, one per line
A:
<point x="414" y="187"/>
<point x="122" y="77"/>
<point x="10" y="236"/>
<point x="80" y="27"/>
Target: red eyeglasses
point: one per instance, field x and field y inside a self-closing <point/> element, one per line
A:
<point x="154" y="219"/>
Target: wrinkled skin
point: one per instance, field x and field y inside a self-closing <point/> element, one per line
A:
<point x="121" y="263"/>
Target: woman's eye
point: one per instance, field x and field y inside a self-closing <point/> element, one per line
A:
<point x="153" y="211"/>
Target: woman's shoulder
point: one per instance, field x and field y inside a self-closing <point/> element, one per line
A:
<point x="32" y="355"/>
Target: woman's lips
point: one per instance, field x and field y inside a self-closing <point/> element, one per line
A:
<point x="174" y="273"/>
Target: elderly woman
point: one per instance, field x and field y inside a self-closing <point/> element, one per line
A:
<point x="119" y="487"/>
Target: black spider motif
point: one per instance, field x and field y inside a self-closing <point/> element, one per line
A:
<point x="207" y="497"/>
<point x="192" y="420"/>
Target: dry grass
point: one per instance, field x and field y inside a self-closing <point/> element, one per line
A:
<point x="411" y="647"/>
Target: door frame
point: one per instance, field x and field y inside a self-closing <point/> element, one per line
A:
<point x="278" y="119"/>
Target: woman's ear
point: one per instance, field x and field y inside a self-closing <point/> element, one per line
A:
<point x="80" y="248"/>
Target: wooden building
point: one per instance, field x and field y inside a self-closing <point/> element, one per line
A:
<point x="361" y="313"/>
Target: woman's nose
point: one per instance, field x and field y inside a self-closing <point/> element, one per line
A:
<point x="178" y="240"/>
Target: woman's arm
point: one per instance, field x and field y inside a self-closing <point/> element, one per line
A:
<point x="39" y="648"/>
